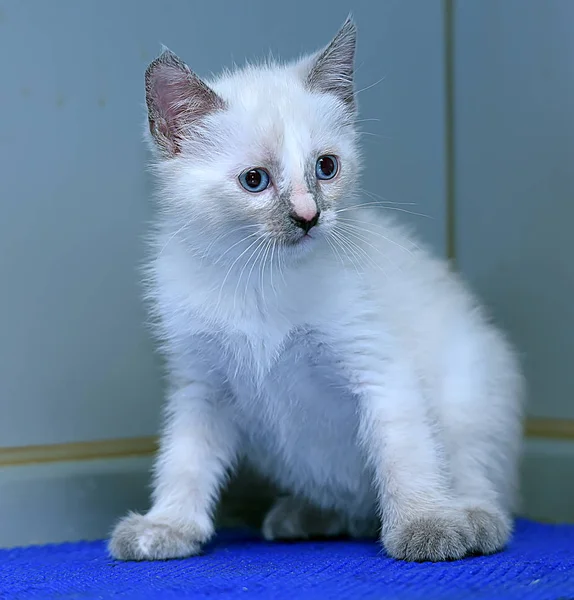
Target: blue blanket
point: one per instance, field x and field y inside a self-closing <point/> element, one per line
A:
<point x="538" y="565"/>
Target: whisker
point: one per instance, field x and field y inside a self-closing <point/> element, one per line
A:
<point x="236" y="244"/>
<point x="261" y="250"/>
<point x="346" y="247"/>
<point x="386" y="207"/>
<point x="395" y="204"/>
<point x="371" y="86"/>
<point x="359" y="248"/>
<point x="333" y="247"/>
<point x="363" y="227"/>
<point x="377" y="135"/>
<point x="271" y="267"/>
<point x="262" y="271"/>
<point x="281" y="266"/>
<point x="261" y="241"/>
<point x="379" y="197"/>
<point x="352" y="227"/>
<point x="259" y="254"/>
<point x="224" y="235"/>
<point x="171" y="237"/>
<point x="231" y="268"/>
<point x="347" y="229"/>
<point x="375" y="203"/>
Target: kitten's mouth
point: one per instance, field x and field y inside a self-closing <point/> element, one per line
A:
<point x="301" y="240"/>
<point x="304" y="239"/>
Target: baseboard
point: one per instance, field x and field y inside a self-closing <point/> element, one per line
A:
<point x="65" y="501"/>
<point x="73" y="500"/>
<point x="81" y="500"/>
<point x="548" y="480"/>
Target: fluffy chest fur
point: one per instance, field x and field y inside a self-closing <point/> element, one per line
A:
<point x="271" y="344"/>
<point x="299" y="421"/>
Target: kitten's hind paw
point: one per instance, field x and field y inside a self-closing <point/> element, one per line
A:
<point x="491" y="527"/>
<point x="431" y="537"/>
<point x="137" y="537"/>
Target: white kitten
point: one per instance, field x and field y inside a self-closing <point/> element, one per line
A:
<point x="310" y="336"/>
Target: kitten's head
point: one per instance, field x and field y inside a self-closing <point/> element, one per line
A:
<point x="261" y="156"/>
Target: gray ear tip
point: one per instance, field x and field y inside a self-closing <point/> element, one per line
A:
<point x="350" y="25"/>
<point x="347" y="35"/>
<point x="166" y="57"/>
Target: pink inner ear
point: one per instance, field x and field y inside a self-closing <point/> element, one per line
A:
<point x="170" y="93"/>
<point x="176" y="99"/>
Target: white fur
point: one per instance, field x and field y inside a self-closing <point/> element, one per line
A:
<point x="352" y="369"/>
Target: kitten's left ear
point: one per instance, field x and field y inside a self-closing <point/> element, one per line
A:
<point x="177" y="99"/>
<point x="332" y="70"/>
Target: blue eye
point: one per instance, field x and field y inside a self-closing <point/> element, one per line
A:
<point x="327" y="167"/>
<point x="254" y="180"/>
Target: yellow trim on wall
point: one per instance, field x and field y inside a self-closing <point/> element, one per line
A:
<point x="556" y="429"/>
<point x="111" y="448"/>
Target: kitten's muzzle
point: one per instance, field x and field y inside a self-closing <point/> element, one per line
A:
<point x="306" y="224"/>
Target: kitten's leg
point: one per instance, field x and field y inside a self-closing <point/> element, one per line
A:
<point x="292" y="518"/>
<point x="196" y="451"/>
<point x="421" y="518"/>
<point x="481" y="416"/>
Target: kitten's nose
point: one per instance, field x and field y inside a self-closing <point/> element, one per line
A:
<point x="305" y="223"/>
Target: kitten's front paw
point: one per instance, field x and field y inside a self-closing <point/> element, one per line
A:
<point x="491" y="527"/>
<point x="137" y="537"/>
<point x="431" y="537"/>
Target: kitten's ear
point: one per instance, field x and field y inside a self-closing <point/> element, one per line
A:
<point x="176" y="99"/>
<point x="333" y="68"/>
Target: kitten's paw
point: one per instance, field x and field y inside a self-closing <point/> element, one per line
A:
<point x="491" y="528"/>
<point x="432" y="537"/>
<point x="137" y="537"/>
<point x="293" y="519"/>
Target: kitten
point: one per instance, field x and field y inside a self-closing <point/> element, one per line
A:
<point x="309" y="335"/>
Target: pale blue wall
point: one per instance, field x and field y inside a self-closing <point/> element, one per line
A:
<point x="514" y="168"/>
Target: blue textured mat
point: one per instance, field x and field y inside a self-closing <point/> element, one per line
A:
<point x="538" y="565"/>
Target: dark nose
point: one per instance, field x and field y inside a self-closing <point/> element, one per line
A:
<point x="305" y="224"/>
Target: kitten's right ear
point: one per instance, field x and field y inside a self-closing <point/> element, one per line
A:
<point x="332" y="70"/>
<point x="176" y="99"/>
